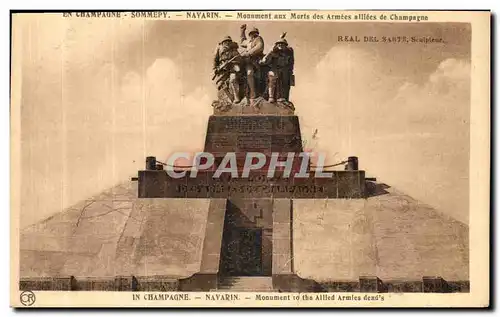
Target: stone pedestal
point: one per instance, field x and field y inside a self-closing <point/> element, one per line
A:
<point x="262" y="133"/>
<point x="252" y="133"/>
<point x="250" y="222"/>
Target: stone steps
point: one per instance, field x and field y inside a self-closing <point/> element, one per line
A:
<point x="246" y="284"/>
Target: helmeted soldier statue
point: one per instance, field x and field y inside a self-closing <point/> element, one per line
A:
<point x="280" y="76"/>
<point x="252" y="54"/>
<point x="227" y="70"/>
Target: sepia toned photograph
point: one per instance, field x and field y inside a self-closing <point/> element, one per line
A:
<point x="250" y="158"/>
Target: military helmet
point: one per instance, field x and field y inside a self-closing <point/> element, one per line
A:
<point x="254" y="30"/>
<point x="226" y="38"/>
<point x="281" y="41"/>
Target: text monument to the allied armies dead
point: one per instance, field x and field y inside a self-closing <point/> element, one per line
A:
<point x="247" y="218"/>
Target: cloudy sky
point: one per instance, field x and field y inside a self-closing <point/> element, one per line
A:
<point x="100" y="95"/>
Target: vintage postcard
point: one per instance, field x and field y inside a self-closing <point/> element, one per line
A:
<point x="250" y="159"/>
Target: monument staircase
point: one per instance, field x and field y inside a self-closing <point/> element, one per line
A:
<point x="246" y="284"/>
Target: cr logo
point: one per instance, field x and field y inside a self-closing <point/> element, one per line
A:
<point x="27" y="298"/>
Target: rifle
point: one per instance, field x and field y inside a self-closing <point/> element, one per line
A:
<point x="223" y="65"/>
<point x="264" y="60"/>
<point x="282" y="36"/>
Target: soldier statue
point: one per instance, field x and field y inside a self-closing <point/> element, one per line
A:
<point x="226" y="67"/>
<point x="253" y="51"/>
<point x="264" y="77"/>
<point x="280" y="75"/>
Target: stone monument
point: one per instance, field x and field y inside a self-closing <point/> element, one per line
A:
<point x="250" y="221"/>
<point x="187" y="228"/>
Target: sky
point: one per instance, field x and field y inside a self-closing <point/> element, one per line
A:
<point x="99" y="95"/>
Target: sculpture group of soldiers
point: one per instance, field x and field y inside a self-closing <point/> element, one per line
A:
<point x="245" y="71"/>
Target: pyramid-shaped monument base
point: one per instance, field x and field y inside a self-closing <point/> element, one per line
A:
<point x="162" y="244"/>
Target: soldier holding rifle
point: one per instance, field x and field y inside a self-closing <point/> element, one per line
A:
<point x="280" y="76"/>
<point x="227" y="70"/>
